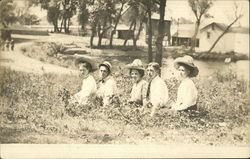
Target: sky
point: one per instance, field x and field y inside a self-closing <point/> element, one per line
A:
<point x="222" y="10"/>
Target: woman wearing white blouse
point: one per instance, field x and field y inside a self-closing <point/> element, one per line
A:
<point x="88" y="89"/>
<point x="187" y="92"/>
<point x="139" y="89"/>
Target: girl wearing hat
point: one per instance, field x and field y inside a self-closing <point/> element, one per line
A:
<point x="187" y="92"/>
<point x="139" y="89"/>
<point x="107" y="85"/>
<point x="85" y="66"/>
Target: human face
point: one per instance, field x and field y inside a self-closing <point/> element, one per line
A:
<point x="183" y="72"/>
<point x="104" y="72"/>
<point x="151" y="73"/>
<point x="84" y="72"/>
<point x="136" y="77"/>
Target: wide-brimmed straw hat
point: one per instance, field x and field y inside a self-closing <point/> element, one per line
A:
<point x="87" y="60"/>
<point x="188" y="61"/>
<point x="106" y="64"/>
<point x="136" y="64"/>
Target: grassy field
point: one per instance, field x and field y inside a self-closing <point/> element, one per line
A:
<point x="33" y="110"/>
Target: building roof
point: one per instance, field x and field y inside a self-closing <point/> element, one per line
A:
<point x="157" y="17"/>
<point x="183" y="34"/>
<point x="223" y="27"/>
<point x="240" y="30"/>
<point x="122" y="27"/>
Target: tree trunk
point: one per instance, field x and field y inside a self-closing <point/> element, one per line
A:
<point x="93" y="32"/>
<point x="116" y="24"/>
<point x="65" y="26"/>
<point x="99" y="34"/>
<point x="224" y="32"/>
<point x="68" y="25"/>
<point x="138" y="34"/>
<point x="150" y="54"/>
<point x="161" y="33"/>
<point x="129" y="33"/>
<point x="134" y="37"/>
<point x="61" y="25"/>
<point x="193" y="40"/>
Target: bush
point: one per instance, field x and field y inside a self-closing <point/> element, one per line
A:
<point x="49" y="52"/>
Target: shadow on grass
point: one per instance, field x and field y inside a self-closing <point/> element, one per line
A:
<point x="22" y="40"/>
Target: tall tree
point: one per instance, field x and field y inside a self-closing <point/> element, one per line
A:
<point x="28" y="19"/>
<point x="53" y="15"/>
<point x="148" y="4"/>
<point x="101" y="14"/>
<point x="69" y="10"/>
<point x="83" y="13"/>
<point x="237" y="15"/>
<point x="117" y="19"/>
<point x="161" y="33"/>
<point x="7" y="13"/>
<point x="136" y="17"/>
<point x="200" y="9"/>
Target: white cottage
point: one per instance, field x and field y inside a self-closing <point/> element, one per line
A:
<point x="236" y="39"/>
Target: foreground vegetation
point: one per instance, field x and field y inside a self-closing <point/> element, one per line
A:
<point x="34" y="110"/>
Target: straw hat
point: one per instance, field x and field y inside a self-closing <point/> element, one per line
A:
<point x="106" y="64"/>
<point x="87" y="60"/>
<point x="188" y="61"/>
<point x="136" y="64"/>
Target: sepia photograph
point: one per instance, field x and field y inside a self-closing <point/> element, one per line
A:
<point x="124" y="78"/>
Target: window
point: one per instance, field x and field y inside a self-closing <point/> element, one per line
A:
<point x="212" y="26"/>
<point x="208" y="35"/>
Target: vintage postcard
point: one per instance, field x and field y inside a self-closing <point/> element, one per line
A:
<point x="124" y="78"/>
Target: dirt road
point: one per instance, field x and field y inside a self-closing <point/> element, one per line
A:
<point x="17" y="61"/>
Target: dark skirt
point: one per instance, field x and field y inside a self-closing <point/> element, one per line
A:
<point x="194" y="107"/>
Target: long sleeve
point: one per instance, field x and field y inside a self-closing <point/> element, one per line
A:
<point x="158" y="92"/>
<point x="88" y="88"/>
<point x="186" y="96"/>
<point x="107" y="90"/>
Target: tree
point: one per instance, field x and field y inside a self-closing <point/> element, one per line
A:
<point x="237" y="15"/>
<point x="101" y="14"/>
<point x="7" y="13"/>
<point x="136" y="17"/>
<point x="200" y="9"/>
<point x="83" y="15"/>
<point x="148" y="4"/>
<point x="68" y="11"/>
<point x="28" y="19"/>
<point x="161" y="34"/>
<point x="53" y="15"/>
<point x="116" y="20"/>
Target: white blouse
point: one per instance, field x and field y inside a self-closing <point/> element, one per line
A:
<point x="139" y="91"/>
<point x="158" y="95"/>
<point x="186" y="95"/>
<point x="106" y="89"/>
<point x="88" y="90"/>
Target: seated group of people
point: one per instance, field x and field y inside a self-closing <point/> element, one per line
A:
<point x="150" y="92"/>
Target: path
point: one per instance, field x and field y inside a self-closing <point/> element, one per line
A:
<point x="15" y="60"/>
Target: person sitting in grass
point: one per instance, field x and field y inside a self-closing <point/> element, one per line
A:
<point x="107" y="88"/>
<point x="157" y="92"/>
<point x="89" y="88"/>
<point x="187" y="92"/>
<point x="139" y="89"/>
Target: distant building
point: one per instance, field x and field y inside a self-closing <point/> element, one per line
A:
<point x="183" y="38"/>
<point x="155" y="18"/>
<point x="236" y="39"/>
